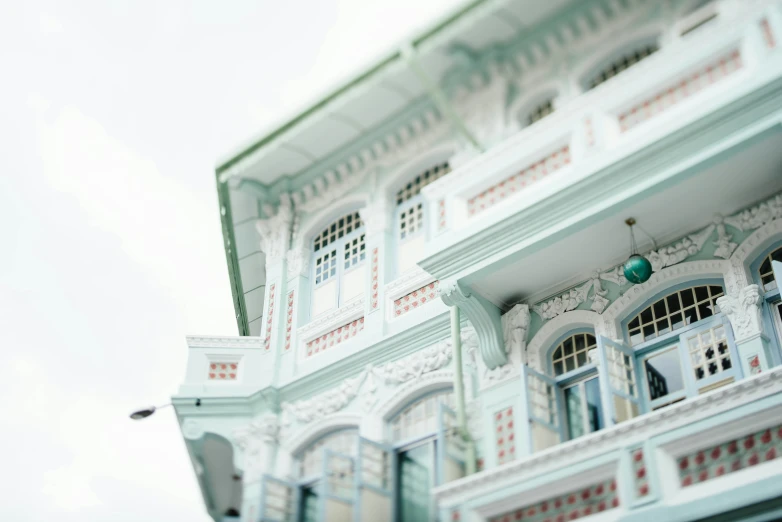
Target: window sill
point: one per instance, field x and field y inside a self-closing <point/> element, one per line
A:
<point x="325" y="323"/>
<point x="403" y="285"/>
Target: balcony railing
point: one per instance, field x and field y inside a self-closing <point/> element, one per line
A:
<point x="676" y="455"/>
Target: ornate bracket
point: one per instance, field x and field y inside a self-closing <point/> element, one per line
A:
<point x="743" y="312"/>
<point x="485" y="318"/>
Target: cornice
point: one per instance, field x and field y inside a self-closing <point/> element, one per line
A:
<point x="208" y="341"/>
<point x="636" y="430"/>
<point x="467" y="254"/>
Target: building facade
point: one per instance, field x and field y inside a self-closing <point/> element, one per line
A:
<point x="428" y="276"/>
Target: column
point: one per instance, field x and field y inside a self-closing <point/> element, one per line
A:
<point x="257" y="443"/>
<point x="275" y="232"/>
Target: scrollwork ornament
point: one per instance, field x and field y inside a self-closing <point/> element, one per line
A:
<point x="743" y="312"/>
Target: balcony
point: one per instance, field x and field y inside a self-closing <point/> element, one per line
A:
<point x="676" y="463"/>
<point x="658" y="128"/>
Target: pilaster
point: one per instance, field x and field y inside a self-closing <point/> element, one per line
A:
<point x="258" y="444"/>
<point x="379" y="241"/>
<point x="743" y="312"/>
<point x="275" y="232"/>
<point x="294" y="307"/>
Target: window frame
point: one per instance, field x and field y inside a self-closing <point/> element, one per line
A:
<point x="424" y="228"/>
<point x="580" y="382"/>
<point x="577" y="371"/>
<point x="573" y="377"/>
<point x="771" y="321"/>
<point x="338" y="246"/>
<point x="405" y="444"/>
<point x="298" y="457"/>
<point x="587" y="81"/>
<point x="674" y="340"/>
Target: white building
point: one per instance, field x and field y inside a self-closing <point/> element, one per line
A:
<point x="464" y="201"/>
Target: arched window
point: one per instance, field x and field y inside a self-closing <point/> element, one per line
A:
<point x="428" y="453"/>
<point x="311" y="458"/>
<point x="767" y="273"/>
<point x="411" y="214"/>
<point x="620" y="64"/>
<point x="539" y="112"/>
<point x="571" y="353"/>
<point x="577" y="379"/>
<point x="338" y="265"/>
<point x="683" y="344"/>
<point x="772" y="298"/>
<point x="312" y="467"/>
<point x="673" y="312"/>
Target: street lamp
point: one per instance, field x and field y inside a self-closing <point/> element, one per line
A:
<point x="146" y="412"/>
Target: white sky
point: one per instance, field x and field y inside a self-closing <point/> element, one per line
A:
<point x="112" y="115"/>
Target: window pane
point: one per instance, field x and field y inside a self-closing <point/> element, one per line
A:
<point x="414" y="476"/>
<point x="310" y="496"/>
<point x="673" y="303"/>
<point x="674" y="311"/>
<point x="594" y="406"/>
<point x="663" y="374"/>
<point x="414" y="188"/>
<point x="573" y="410"/>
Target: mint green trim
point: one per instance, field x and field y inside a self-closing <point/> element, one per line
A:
<point x="232" y="260"/>
<point x="384" y="63"/>
<point x="458" y="387"/>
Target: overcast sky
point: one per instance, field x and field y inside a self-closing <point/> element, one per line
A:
<point x="112" y="115"/>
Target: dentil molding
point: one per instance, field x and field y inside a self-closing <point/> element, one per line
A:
<point x="224" y="342"/>
<point x="765" y="215"/>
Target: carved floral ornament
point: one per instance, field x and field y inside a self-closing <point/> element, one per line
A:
<point x="750" y="219"/>
<point x="366" y="384"/>
<point x="743" y="311"/>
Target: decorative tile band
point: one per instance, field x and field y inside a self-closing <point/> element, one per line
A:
<point x="721" y="459"/>
<point x="504" y="436"/>
<point x="223" y="371"/>
<point x="441" y="222"/>
<point x="589" y="132"/>
<point x="375" y="274"/>
<point x="570" y="506"/>
<point x="754" y="365"/>
<point x="416" y="298"/>
<point x="665" y="99"/>
<point x="270" y="316"/>
<point x="510" y="185"/>
<point x="335" y="337"/>
<point x="289" y="321"/>
<point x="768" y="34"/>
<point x="640" y="473"/>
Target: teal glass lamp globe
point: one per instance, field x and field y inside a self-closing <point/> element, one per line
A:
<point x="637" y="269"/>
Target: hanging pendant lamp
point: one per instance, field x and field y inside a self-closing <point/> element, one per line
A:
<point x="637" y="268"/>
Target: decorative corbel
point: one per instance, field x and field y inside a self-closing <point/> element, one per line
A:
<point x="485" y="318"/>
<point x="743" y="312"/>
